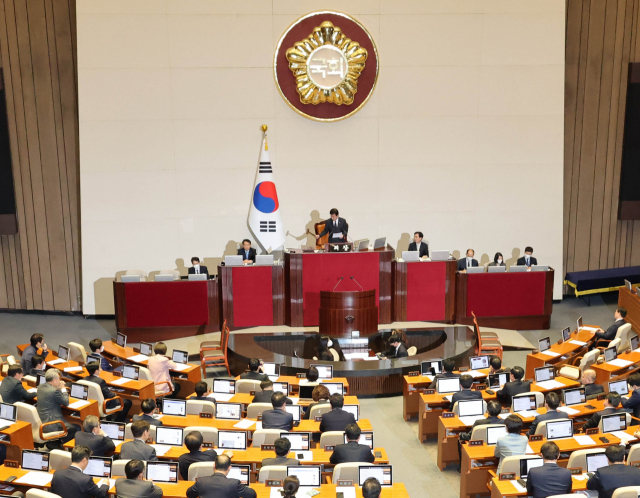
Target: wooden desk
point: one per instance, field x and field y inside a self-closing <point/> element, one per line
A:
<point x="566" y="349"/>
<point x="295" y="382"/>
<point x="566" y="384"/>
<point x="82" y="413"/>
<point x="247" y="399"/>
<point x="606" y="372"/>
<point x="17" y="437"/>
<point x="500" y="489"/>
<point x="631" y="302"/>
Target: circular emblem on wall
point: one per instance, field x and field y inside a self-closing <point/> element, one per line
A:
<point x="326" y="66"/>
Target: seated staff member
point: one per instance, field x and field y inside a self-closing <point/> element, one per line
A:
<point x="337" y="419"/>
<point x="352" y="451"/>
<point x="550" y="479"/>
<point x="38" y="366"/>
<point x="135" y="485"/>
<point x="94" y="437"/>
<point x="418" y="245"/>
<point x="527" y="259"/>
<point x="588" y="382"/>
<point x="197" y="268"/>
<point x="72" y="482"/>
<point x="493" y="410"/>
<point x="279" y="417"/>
<point x="611" y="406"/>
<point x="264" y="396"/>
<point x="311" y="378"/>
<point x="193" y="441"/>
<point x="616" y="475"/>
<point x="371" y="488"/>
<point x="551" y="403"/>
<point x="138" y="448"/>
<point x="120" y="416"/>
<point x="466" y="381"/>
<point x="320" y="395"/>
<point x="219" y="485"/>
<point x="495" y="366"/>
<point x="248" y="254"/>
<point x="467" y="262"/>
<point x="254" y="372"/>
<point x="159" y="366"/>
<point x="52" y="396"/>
<point x="513" y="443"/>
<point x="336" y="227"/>
<point x="37" y="342"/>
<point x="12" y="389"/>
<point x="97" y="348"/>
<point x="202" y="391"/>
<point x="633" y="403"/>
<point x="515" y="386"/>
<point x="282" y="447"/>
<point x="148" y="407"/>
<point x="398" y="350"/>
<point x="498" y="260"/>
<point x="448" y="365"/>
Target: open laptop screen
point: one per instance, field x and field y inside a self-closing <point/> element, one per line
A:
<point x="162" y="472"/>
<point x="99" y="467"/>
<point x="382" y="473"/>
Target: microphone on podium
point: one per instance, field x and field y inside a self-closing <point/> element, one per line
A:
<point x="357" y="283"/>
<point x="338" y="283"/>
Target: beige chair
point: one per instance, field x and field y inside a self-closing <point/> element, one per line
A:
<point x="175" y="273"/>
<point x="412" y="351"/>
<point x="256" y="409"/>
<point x="129" y="435"/>
<point x="334" y="353"/>
<point x="265" y="436"/>
<point x="96" y="393"/>
<point x="77" y="352"/>
<point x="29" y="414"/>
<point x="331" y="438"/>
<point x="145" y="374"/>
<point x="624" y="333"/>
<point x="348" y="471"/>
<point x="209" y="434"/>
<point x="542" y="427"/>
<point x="276" y="472"/>
<point x="512" y="464"/>
<point x="197" y="406"/>
<point x="319" y="409"/>
<point x="634" y="454"/>
<point x="628" y="419"/>
<point x="627" y="492"/>
<point x="200" y="469"/>
<point x="570" y="372"/>
<point x="141" y="273"/>
<point x="39" y="493"/>
<point x="579" y="458"/>
<point x="247" y="385"/>
<point x="59" y="459"/>
<point x="588" y="359"/>
<point x="456" y="410"/>
<point x="539" y="398"/>
<point x="480" y="431"/>
<point x="117" y="468"/>
<point x="7" y="361"/>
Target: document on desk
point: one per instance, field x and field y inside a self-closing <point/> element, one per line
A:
<point x="56" y="361"/>
<point x="304" y="456"/>
<point x="584" y="327"/>
<point x="221" y="396"/>
<point x="579" y="343"/>
<point x="73" y="369"/>
<point x="35" y="478"/>
<point x="138" y="358"/>
<point x="584" y="440"/>
<point x="110" y="482"/>
<point x="244" y="424"/>
<point x="523" y="414"/>
<point x="619" y="363"/>
<point x="32" y="390"/>
<point x="580" y="477"/>
<point x="529" y="450"/>
<point x="181" y="366"/>
<point x="117" y="443"/>
<point x="78" y="404"/>
<point x="519" y="487"/>
<point x="295" y="401"/>
<point x="448" y="397"/>
<point x="548" y="352"/>
<point x="161" y="449"/>
<point x="259" y="425"/>
<point x="624" y="436"/>
<point x="121" y="381"/>
<point x="347" y="491"/>
<point x="550" y="384"/>
<point x="470" y="420"/>
<point x="475" y="373"/>
<point x="568" y="410"/>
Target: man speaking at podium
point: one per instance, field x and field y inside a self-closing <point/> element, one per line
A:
<point x="337" y="227"/>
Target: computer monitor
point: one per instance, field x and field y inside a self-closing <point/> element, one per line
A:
<point x="496" y="381"/>
<point x="595" y="461"/>
<point x="381" y="473"/>
<point x="496" y="269"/>
<point x="121" y="340"/>
<point x="40" y="380"/>
<point x="363" y="245"/>
<point x="432" y="367"/>
<point x="146" y="348"/>
<point x="366" y="438"/>
<point x="409" y="256"/>
<point x="439" y="255"/>
<point x="35" y="460"/>
<point x="324" y="371"/>
<point x="354" y="409"/>
<point x="63" y="353"/>
<point x="169" y="435"/>
<point x="221" y="386"/>
<point x="566" y="334"/>
<point x="614" y="422"/>
<point x="470" y="408"/>
<point x="379" y="243"/>
<point x="619" y="386"/>
<point x="628" y="285"/>
<point x="523" y="403"/>
<point x="233" y="261"/>
<point x="300" y="441"/>
<point x="579" y="323"/>
<point x="180" y="356"/>
<point x="8" y="412"/>
<point x="164" y="277"/>
<point x="334" y="387"/>
<point x="526" y="464"/>
<point x="240" y="472"/>
<point x="229" y="411"/>
<point x="295" y="410"/>
<point x="306" y="392"/>
<point x="635" y="342"/>
<point x="448" y="385"/>
<point x="574" y="396"/>
<point x="495" y="433"/>
<point x="540" y="268"/>
<point x="115" y="430"/>
<point x="264" y="259"/>
<point x="308" y="475"/>
<point x="281" y="387"/>
<point x="177" y="407"/>
<point x="99" y="467"/>
<point x="162" y="472"/>
<point x="232" y="440"/>
<point x="478" y="362"/>
<point x="544" y="373"/>
<point x="544" y="344"/>
<point x="559" y="429"/>
<point x="131" y="372"/>
<point x="130" y="278"/>
<point x="79" y="391"/>
<point x="271" y="368"/>
<point x="197" y="276"/>
<point x="610" y="354"/>
<point x="476" y="269"/>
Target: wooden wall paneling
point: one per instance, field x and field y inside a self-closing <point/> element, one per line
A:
<point x="4" y="299"/>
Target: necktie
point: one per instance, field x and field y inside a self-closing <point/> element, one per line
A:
<point x="528" y="262"/>
<point x="197" y="271"/>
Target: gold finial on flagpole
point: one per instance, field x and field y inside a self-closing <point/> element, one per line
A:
<point x="264" y="130"/>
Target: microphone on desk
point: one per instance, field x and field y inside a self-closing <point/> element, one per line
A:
<point x="338" y="283"/>
<point x="357" y="283"/>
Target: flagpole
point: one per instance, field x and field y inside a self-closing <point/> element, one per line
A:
<point x="264" y="130"/>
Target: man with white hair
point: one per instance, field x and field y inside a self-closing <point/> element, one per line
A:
<point x="52" y="396"/>
<point x="588" y="381"/>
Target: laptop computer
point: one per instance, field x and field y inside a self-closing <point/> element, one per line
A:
<point x="197" y="277"/>
<point x="232" y="440"/>
<point x="130" y="278"/>
<point x="99" y="467"/>
<point x="229" y="411"/>
<point x="540" y="268"/>
<point x="478" y="362"/>
<point x="495" y="433"/>
<point x="523" y="403"/>
<point x="559" y="429"/>
<point x="79" y="391"/>
<point x="439" y="255"/>
<point x="595" y="461"/>
<point x="544" y="344"/>
<point x="281" y="387"/>
<point x="308" y="475"/>
<point x="164" y="278"/>
<point x="222" y="386"/>
<point x="410" y="256"/>
<point x="610" y="354"/>
<point x="162" y="472"/>
<point x="619" y="386"/>
<point x="180" y="356"/>
<point x="614" y="422"/>
<point x="35" y="460"/>
<point x="566" y="334"/>
<point x="363" y="245"/>
<point x="131" y="372"/>
<point x="431" y="367"/>
<point x="518" y="268"/>
<point x="448" y="385"/>
<point x="300" y="441"/>
<point x="264" y="259"/>
<point x="175" y="407"/>
<point x="470" y="408"/>
<point x="295" y="410"/>
<point x="306" y="392"/>
<point x="380" y="243"/>
<point x="8" y="415"/>
<point x="334" y="387"/>
<point x="233" y="260"/>
<point x="635" y="342"/>
<point x="271" y="369"/>
<point x="121" y="340"/>
<point x="169" y="435"/>
<point x="496" y="269"/>
<point x="496" y="381"/>
<point x="354" y="409"/>
<point x="324" y="371"/>
<point x="382" y="473"/>
<point x="544" y="373"/>
<point x="146" y="348"/>
<point x="240" y="472"/>
<point x="574" y="396"/>
<point x="115" y="430"/>
<point x="63" y="353"/>
<point x="526" y="464"/>
<point x="475" y="269"/>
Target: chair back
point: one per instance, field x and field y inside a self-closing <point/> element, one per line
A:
<point x="319" y="227"/>
<point x="200" y="469"/>
<point x="539" y="398"/>
<point x="141" y="273"/>
<point x="209" y="434"/>
<point x="331" y="438"/>
<point x="117" y="468"/>
<point x="197" y="406"/>
<point x="77" y="352"/>
<point x="512" y="464"/>
<point x="59" y="459"/>
<point x="276" y="472"/>
<point x="7" y="362"/>
<point x="175" y="273"/>
<point x="456" y="410"/>
<point x="336" y="356"/>
<point x="29" y="414"/>
<point x="265" y="436"/>
<point x="570" y="372"/>
<point x="634" y="454"/>
<point x="319" y="409"/>
<point x="95" y="393"/>
<point x="348" y="471"/>
<point x="615" y="344"/>
<point x="145" y="374"/>
<point x="589" y="359"/>
<point x="480" y="431"/>
<point x="255" y="409"/>
<point x="40" y="493"/>
<point x="623" y="333"/>
<point x="129" y="435"/>
<point x="247" y="385"/>
<point x="412" y="351"/>
<point x="627" y="492"/>
<point x="578" y="458"/>
<point x="627" y="417"/>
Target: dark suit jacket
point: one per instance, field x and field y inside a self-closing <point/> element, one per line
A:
<point x="73" y="483"/>
<point x="462" y="263"/>
<point x="401" y="352"/>
<point x="595" y="418"/>
<point x="549" y="480"/>
<point x="98" y="444"/>
<point x="444" y="375"/>
<point x="335" y="420"/>
<point x="351" y="452"/>
<point x="27" y="354"/>
<point x="280" y="461"/>
<point x="607" y="479"/>
<point x="254" y="376"/>
<point x="148" y="418"/>
<point x="277" y="419"/>
<point x="106" y="392"/>
<point x="219" y="486"/>
<point x="203" y="269"/>
<point x="265" y="397"/>
<point x="633" y="403"/>
<point x="135" y="488"/>
<point x="591" y="389"/>
<point x="424" y="249"/>
<point x="488" y="421"/>
<point x="12" y="390"/>
<point x="611" y="332"/>
<point x="510" y="389"/>
<point x="465" y="394"/>
<point x="252" y="254"/>
<point x="550" y="415"/>
<point x="186" y="459"/>
<point x="138" y="450"/>
<point x="343" y="228"/>
<point x="523" y="261"/>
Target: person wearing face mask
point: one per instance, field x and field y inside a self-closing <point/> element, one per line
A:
<point x="467" y="262"/>
<point x="97" y="348"/>
<point x="197" y="268"/>
<point x="498" y="260"/>
<point x="527" y="259"/>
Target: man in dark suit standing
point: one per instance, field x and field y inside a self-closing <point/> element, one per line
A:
<point x="279" y="417"/>
<point x="551" y="402"/>
<point x="527" y="259"/>
<point x="219" y="485"/>
<point x="72" y="482"/>
<point x="466" y="381"/>
<point x="135" y="485"/>
<point x="588" y="382"/>
<point x="337" y="419"/>
<point x="467" y="262"/>
<point x="610" y="333"/>
<point x="248" y="254"/>
<point x="120" y="416"/>
<point x="448" y="365"/>
<point x="550" y="479"/>
<point x="418" y="245"/>
<point x="616" y="475"/>
<point x="254" y="371"/>
<point x="94" y="437"/>
<point x="352" y="451"/>
<point x="282" y="447"/>
<point x="336" y="227"/>
<point x="197" y="268"/>
<point x="193" y="441"/>
<point x="12" y="389"/>
<point x="398" y="350"/>
<point x="516" y="386"/>
<point x="611" y="406"/>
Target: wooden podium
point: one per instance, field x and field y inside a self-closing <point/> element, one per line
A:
<point x="342" y="312"/>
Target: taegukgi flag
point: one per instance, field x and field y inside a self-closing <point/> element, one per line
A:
<point x="264" y="215"/>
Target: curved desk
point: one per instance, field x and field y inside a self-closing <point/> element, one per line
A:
<point x="343" y="312"/>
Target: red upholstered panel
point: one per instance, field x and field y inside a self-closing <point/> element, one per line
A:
<point x="252" y="296"/>
<point x="426" y="288"/>
<point x="321" y="272"/>
<point x="166" y="304"/>
<point x="506" y="294"/>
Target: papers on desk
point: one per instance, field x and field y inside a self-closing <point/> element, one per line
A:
<point x="521" y="489"/>
<point x="448" y="397"/>
<point x="56" y="361"/>
<point x="120" y="381"/>
<point x="624" y="436"/>
<point x="32" y="390"/>
<point x="259" y="425"/>
<point x="368" y="358"/>
<point x="78" y="404"/>
<point x="619" y="363"/>
<point x="347" y="491"/>
<point x="584" y="440"/>
<point x="303" y="491"/>
<point x="307" y="456"/>
<point x="181" y="366"/>
<point x="295" y="401"/>
<point x="273" y="378"/>
<point x="73" y="369"/>
<point x="580" y="477"/>
<point x="568" y="410"/>
<point x="579" y="343"/>
<point x="584" y="327"/>
<point x="529" y="450"/>
<point x="470" y="420"/>
<point x="221" y="396"/>
<point x="244" y="424"/>
<point x="550" y="384"/>
<point x="475" y="373"/>
<point x="158" y="416"/>
<point x="138" y="358"/>
<point x="110" y="482"/>
<point x="35" y="478"/>
<point x="548" y="352"/>
<point x="161" y="449"/>
<point x="356" y="356"/>
<point x="117" y="442"/>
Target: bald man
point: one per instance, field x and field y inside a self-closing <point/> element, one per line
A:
<point x="588" y="382"/>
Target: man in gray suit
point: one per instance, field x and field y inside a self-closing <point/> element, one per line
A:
<point x="282" y="447"/>
<point x="135" y="485"/>
<point x="12" y="389"/>
<point x="52" y="396"/>
<point x="138" y="448"/>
